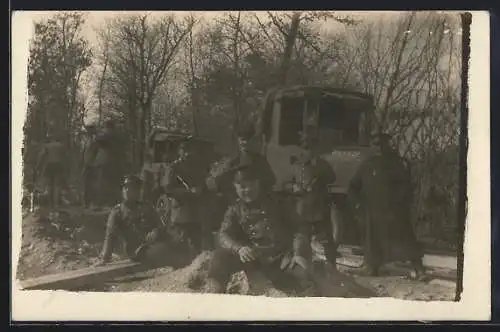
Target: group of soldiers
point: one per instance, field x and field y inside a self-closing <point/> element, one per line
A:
<point x="103" y="166"/>
<point x="258" y="230"/>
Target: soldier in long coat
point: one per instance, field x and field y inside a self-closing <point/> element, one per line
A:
<point x="311" y="177"/>
<point x="383" y="188"/>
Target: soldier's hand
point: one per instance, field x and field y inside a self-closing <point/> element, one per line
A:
<point x="246" y="254"/>
<point x="152" y="236"/>
<point x="299" y="261"/>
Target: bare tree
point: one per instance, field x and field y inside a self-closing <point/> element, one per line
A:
<point x="142" y="51"/>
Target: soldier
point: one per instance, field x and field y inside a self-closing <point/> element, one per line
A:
<point x="137" y="225"/>
<point x="257" y="234"/>
<point x="248" y="157"/>
<point x="149" y="184"/>
<point x="185" y="184"/>
<point x="89" y="171"/>
<point x="110" y="163"/>
<point x="311" y="177"/>
<point x="383" y="188"/>
<point x="51" y="161"/>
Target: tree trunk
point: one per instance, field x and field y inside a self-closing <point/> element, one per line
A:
<point x="290" y="43"/>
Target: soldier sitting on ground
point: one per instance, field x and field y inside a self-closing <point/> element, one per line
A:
<point x="258" y="235"/>
<point x="138" y="227"/>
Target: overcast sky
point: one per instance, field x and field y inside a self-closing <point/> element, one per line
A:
<point x="96" y="19"/>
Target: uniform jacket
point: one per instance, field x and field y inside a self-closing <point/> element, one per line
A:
<point x="262" y="225"/>
<point x="130" y="224"/>
<point x="311" y="177"/>
<point x="178" y="180"/>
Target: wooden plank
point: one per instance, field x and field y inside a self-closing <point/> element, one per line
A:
<point x="429" y="259"/>
<point x="353" y="261"/>
<point x="444" y="283"/>
<point x="75" y="279"/>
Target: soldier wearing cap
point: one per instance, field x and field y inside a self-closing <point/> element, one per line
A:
<point x="258" y="234"/>
<point x="246" y="156"/>
<point x="382" y="185"/>
<point x="137" y="225"/>
<point x="311" y="177"/>
<point x="185" y="185"/>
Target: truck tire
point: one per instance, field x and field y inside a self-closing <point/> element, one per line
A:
<point x="336" y="220"/>
<point x="163" y="206"/>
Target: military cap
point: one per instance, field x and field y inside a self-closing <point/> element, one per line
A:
<point x="244" y="173"/>
<point x="246" y="132"/>
<point x="132" y="180"/>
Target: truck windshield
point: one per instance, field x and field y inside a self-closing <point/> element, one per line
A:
<point x="338" y="123"/>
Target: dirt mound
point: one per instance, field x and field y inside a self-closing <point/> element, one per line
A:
<point x="60" y="241"/>
<point x="193" y="279"/>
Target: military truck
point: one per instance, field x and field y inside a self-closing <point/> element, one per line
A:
<point x="342" y="121"/>
<point x="163" y="145"/>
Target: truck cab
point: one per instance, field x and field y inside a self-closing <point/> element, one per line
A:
<point x="340" y="119"/>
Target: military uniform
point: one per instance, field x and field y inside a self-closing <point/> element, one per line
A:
<point x="110" y="165"/>
<point x="245" y="156"/>
<point x="382" y="186"/>
<point x="311" y="177"/>
<point x="131" y="223"/>
<point x="51" y="163"/>
<point x="89" y="170"/>
<point x="186" y="210"/>
<point x="274" y="234"/>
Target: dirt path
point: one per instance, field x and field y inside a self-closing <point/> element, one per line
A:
<point x="169" y="280"/>
<point x="72" y="240"/>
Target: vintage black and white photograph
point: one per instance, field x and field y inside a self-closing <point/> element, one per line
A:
<point x="269" y="153"/>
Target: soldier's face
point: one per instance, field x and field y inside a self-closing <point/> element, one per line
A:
<point x="130" y="193"/>
<point x="247" y="191"/>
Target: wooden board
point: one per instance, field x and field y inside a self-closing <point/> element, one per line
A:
<point x="429" y="259"/>
<point x="76" y="279"/>
<point x="440" y="272"/>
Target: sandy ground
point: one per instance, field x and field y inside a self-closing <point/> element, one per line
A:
<point x="72" y="240"/>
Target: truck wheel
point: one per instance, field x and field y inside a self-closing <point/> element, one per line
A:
<point x="163" y="207"/>
<point x="336" y="220"/>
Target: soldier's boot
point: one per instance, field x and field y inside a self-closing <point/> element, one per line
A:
<point x="367" y="270"/>
<point x="418" y="270"/>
